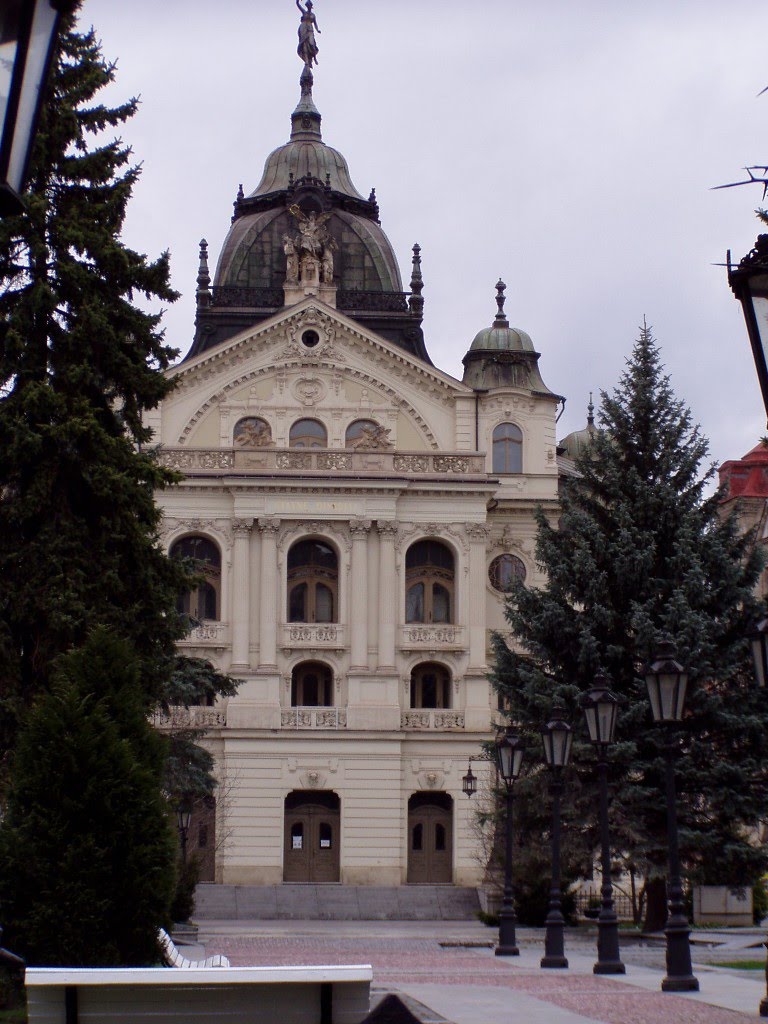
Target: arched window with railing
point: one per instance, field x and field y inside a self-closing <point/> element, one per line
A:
<point x="313" y="577"/>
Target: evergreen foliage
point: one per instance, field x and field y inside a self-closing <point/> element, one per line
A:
<point x="641" y="551"/>
<point x="189" y="768"/>
<point x="79" y="363"/>
<point x="87" y="850"/>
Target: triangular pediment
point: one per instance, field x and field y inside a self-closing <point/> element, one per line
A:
<point x="312" y="357"/>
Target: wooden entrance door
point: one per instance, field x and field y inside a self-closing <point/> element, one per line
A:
<point x="430" y="843"/>
<point x="311" y="844"/>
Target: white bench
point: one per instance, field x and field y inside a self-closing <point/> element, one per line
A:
<point x="173" y="956"/>
<point x="198" y="995"/>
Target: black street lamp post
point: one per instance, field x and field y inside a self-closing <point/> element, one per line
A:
<point x="28" y="32"/>
<point x="183" y="821"/>
<point x="667" y="681"/>
<point x="749" y="281"/>
<point x="558" y="739"/>
<point x="509" y="757"/>
<point x="600" y="708"/>
<point x="759" y="641"/>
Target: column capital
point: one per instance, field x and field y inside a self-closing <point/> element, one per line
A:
<point x="359" y="528"/>
<point x="269" y="525"/>
<point x="477" y="532"/>
<point x="387" y="527"/>
<point x="242" y="527"/>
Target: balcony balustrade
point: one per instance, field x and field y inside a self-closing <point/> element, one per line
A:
<point x="207" y="634"/>
<point x="434" y="718"/>
<point x="313" y="718"/>
<point x="430" y="637"/>
<point x="239" y="461"/>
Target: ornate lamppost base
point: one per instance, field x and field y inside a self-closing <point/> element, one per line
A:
<point x="554" y="961"/>
<point x="689" y="984"/>
<point x="507" y="951"/>
<point x="609" y="967"/>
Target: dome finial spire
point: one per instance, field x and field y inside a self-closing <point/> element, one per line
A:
<point x="305" y="119"/>
<point x="590" y="412"/>
<point x="501" y="319"/>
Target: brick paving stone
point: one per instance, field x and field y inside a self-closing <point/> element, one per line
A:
<point x="400" y="962"/>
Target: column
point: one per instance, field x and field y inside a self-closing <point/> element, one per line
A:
<point x="241" y="592"/>
<point x="358" y="593"/>
<point x="474" y="597"/>
<point x="269" y="593"/>
<point x="387" y="592"/>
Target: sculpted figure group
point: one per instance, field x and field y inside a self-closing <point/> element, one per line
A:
<point x="309" y="254"/>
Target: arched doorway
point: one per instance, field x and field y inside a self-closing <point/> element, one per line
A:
<point x="430" y="838"/>
<point x="312" y="834"/>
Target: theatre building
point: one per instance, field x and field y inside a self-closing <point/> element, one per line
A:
<point x="357" y="514"/>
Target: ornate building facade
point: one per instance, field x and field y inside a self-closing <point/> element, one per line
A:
<point x="357" y="514"/>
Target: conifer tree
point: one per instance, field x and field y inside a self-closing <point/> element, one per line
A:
<point x="87" y="849"/>
<point x="642" y="551"/>
<point x="79" y="364"/>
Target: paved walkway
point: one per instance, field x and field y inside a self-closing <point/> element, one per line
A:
<point x="451" y="968"/>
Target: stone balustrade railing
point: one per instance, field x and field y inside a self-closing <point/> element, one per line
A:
<point x="191" y="718"/>
<point x="313" y="718"/>
<point x="432" y="719"/>
<point x="207" y="634"/>
<point x="218" y="461"/>
<point x="430" y="637"/>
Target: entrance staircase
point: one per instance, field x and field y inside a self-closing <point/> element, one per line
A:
<point x="333" y="902"/>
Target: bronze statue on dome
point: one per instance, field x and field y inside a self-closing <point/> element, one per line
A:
<point x="307" y="48"/>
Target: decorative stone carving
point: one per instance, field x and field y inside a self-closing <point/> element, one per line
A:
<point x="431" y="635"/>
<point x="269" y="525"/>
<point x="253" y="433"/>
<point x="387" y="527"/>
<point x="373" y="438"/>
<point x="360" y="527"/>
<point x="411" y="463"/>
<point x="449" y="464"/>
<point x="242" y="526"/>
<point x="477" y="531"/>
<point x="294" y="460"/>
<point x="334" y="460"/>
<point x="309" y="390"/>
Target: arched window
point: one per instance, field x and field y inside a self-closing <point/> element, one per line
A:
<point x="507" y="449"/>
<point x="312" y="685"/>
<point x="252" y="432"/>
<point x="429" y="581"/>
<point x="308" y="434"/>
<point x="204" y="600"/>
<point x="313" y="573"/>
<point x="430" y="686"/>
<point x="504" y="570"/>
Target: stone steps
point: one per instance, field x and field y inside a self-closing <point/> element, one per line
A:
<point x="335" y="902"/>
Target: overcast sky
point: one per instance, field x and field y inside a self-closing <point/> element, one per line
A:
<point x="570" y="148"/>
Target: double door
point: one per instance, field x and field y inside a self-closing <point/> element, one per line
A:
<point x="430" y="842"/>
<point x="311" y="844"/>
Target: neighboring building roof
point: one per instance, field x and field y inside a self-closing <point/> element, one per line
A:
<point x="577" y="441"/>
<point x="746" y="477"/>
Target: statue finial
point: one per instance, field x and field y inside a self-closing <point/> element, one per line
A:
<point x="307" y="48"/>
<point x="501" y="320"/>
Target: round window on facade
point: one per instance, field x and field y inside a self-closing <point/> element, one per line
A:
<point x="504" y="570"/>
<point x="310" y="338"/>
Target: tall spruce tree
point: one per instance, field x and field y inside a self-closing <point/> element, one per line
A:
<point x="79" y="363"/>
<point x="641" y="551"/>
<point x="87" y="848"/>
